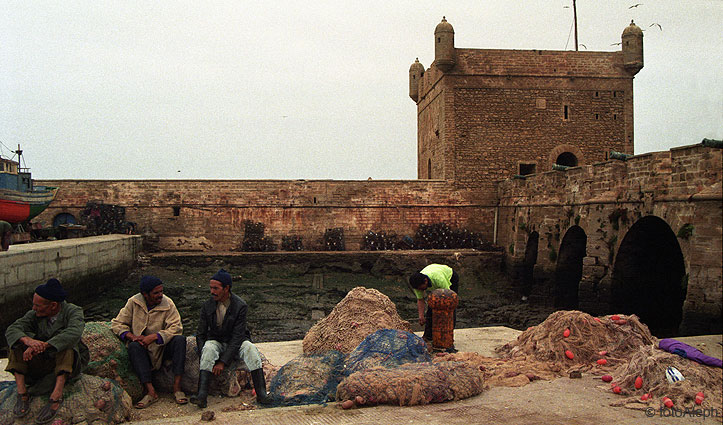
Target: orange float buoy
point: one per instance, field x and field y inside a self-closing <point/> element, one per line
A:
<point x="668" y="403"/>
<point x="644" y="397"/>
<point x="620" y="321"/>
<point x="603" y="353"/>
<point x="602" y="362"/>
<point x="698" y="400"/>
<point x="617" y="390"/>
<point x="596" y="319"/>
<point x="700" y="394"/>
<point x="607" y="378"/>
<point x="566" y="333"/>
<point x="614" y="317"/>
<point x="569" y="354"/>
<point x="638" y="383"/>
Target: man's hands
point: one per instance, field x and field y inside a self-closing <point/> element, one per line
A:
<point x="141" y="339"/>
<point x="218" y="368"/>
<point x="34" y="347"/>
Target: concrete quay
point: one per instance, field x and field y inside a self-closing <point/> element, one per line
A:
<point x="79" y="263"/>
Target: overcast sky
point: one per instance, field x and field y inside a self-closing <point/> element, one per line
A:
<point x="302" y="90"/>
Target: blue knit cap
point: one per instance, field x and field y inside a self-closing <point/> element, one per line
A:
<point x="51" y="290"/>
<point x="149" y="282"/>
<point x="223" y="277"/>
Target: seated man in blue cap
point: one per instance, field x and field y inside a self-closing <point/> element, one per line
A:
<point x="151" y="327"/>
<point x="223" y="336"/>
<point x="46" y="350"/>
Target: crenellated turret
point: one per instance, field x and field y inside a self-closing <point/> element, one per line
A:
<point x="632" y="42"/>
<point x="444" y="45"/>
<point x="416" y="71"/>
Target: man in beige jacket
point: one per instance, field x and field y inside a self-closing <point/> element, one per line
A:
<point x="151" y="327"/>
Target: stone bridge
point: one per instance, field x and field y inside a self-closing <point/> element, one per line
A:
<point x="639" y="236"/>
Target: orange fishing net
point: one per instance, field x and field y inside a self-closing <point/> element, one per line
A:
<point x="361" y="313"/>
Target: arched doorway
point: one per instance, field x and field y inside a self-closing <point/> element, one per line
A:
<point x="569" y="268"/>
<point x="567" y="159"/>
<point x="64" y="218"/>
<point x="649" y="277"/>
<point x="528" y="264"/>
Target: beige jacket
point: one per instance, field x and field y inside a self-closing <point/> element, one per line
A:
<point x="136" y="319"/>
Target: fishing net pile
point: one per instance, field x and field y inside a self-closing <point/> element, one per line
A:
<point x="309" y="378"/>
<point x="362" y="312"/>
<point x="412" y="384"/>
<point x="577" y="340"/>
<point x="89" y="399"/>
<point x="387" y="348"/>
<point x="394" y="367"/>
<point x="511" y="372"/>
<point x="109" y="358"/>
<point x="650" y="363"/>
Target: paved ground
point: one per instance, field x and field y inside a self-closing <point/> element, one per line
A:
<point x="564" y="400"/>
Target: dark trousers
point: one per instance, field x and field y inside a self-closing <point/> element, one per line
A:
<point x="454" y="280"/>
<point x="45" y="363"/>
<point x="175" y="349"/>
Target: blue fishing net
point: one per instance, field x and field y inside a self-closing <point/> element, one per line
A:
<point x="387" y="348"/>
<point x="308" y="379"/>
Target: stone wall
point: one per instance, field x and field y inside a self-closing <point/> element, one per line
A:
<point x="681" y="187"/>
<point x="205" y="215"/>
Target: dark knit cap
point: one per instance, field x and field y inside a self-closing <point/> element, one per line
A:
<point x="149" y="282"/>
<point x="52" y="291"/>
<point x="223" y="277"/>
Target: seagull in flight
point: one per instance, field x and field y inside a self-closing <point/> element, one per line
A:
<point x="617" y="44"/>
<point x="654" y="23"/>
<point x="635" y="5"/>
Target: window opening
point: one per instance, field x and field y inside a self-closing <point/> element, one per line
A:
<point x="566" y="112"/>
<point x="429" y="169"/>
<point x="526" y="169"/>
<point x="176" y="211"/>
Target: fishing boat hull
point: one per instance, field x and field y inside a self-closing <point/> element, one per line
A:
<point x="19" y="207"/>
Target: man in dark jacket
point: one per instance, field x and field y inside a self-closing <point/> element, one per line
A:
<point x="223" y="336"/>
<point x="46" y="350"/>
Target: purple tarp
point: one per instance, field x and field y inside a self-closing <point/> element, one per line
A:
<point x="684" y="350"/>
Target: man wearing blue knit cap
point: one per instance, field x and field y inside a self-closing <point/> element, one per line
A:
<point x="46" y="350"/>
<point x="223" y="336"/>
<point x="150" y="325"/>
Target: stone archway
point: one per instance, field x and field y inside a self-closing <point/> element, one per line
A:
<point x="649" y="277"/>
<point x="570" y="155"/>
<point x="528" y="263"/>
<point x="568" y="272"/>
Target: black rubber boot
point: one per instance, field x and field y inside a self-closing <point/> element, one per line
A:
<point x="200" y="399"/>
<point x="257" y="376"/>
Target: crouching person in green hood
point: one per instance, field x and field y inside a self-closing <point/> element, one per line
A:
<point x="46" y="350"/>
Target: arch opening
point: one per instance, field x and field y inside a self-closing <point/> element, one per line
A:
<point x="649" y="277"/>
<point x="64" y="218"/>
<point x="567" y="159"/>
<point x="528" y="264"/>
<point x="568" y="272"/>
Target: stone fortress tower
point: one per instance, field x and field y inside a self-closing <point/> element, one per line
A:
<point x="484" y="115"/>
